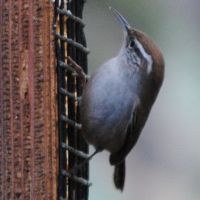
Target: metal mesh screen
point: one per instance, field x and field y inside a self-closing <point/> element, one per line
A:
<point x="70" y="42"/>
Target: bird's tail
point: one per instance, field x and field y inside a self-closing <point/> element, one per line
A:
<point x="119" y="175"/>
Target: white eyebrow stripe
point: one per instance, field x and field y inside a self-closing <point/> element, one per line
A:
<point x="146" y="56"/>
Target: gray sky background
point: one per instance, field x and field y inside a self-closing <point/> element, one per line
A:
<point x="165" y="162"/>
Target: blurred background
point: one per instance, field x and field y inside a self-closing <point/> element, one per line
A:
<point x="165" y="163"/>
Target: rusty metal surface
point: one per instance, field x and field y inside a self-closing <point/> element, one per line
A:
<point x="28" y="109"/>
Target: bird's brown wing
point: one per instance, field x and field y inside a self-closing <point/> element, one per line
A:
<point x="130" y="141"/>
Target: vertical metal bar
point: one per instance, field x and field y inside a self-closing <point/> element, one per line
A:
<point x="60" y="54"/>
<point x="71" y="104"/>
<point x="81" y="59"/>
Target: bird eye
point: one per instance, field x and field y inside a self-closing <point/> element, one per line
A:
<point x="132" y="44"/>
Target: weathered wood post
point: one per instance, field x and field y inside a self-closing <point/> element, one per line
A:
<point x="28" y="101"/>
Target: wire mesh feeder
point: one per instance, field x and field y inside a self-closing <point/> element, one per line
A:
<point x="70" y="42"/>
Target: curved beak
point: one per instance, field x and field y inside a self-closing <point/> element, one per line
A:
<point x="123" y="22"/>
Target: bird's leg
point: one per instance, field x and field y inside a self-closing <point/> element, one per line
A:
<point x="79" y="166"/>
<point x="78" y="69"/>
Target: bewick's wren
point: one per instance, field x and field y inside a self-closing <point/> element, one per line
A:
<point x="117" y="98"/>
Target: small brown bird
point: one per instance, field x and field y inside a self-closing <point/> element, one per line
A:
<point x="118" y="97"/>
